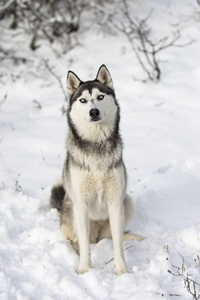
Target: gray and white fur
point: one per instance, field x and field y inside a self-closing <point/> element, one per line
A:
<point x="91" y="198"/>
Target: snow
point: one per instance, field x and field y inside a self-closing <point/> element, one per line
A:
<point x="160" y="126"/>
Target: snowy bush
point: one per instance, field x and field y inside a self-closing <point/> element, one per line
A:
<point x="63" y="21"/>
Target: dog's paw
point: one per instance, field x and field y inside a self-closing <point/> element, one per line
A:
<point x="129" y="236"/>
<point x="121" y="268"/>
<point x="82" y="271"/>
<point x="122" y="271"/>
<point x="83" y="268"/>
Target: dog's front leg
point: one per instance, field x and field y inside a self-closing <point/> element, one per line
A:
<point x="116" y="217"/>
<point x="82" y="227"/>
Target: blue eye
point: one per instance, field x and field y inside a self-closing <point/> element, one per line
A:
<point x="100" y="97"/>
<point x="82" y="100"/>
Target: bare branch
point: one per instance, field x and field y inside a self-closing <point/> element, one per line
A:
<point x="4" y="99"/>
<point x="189" y="283"/>
<point x="7" y="5"/>
<point x="50" y="69"/>
<point x="113" y="258"/>
<point x="145" y="48"/>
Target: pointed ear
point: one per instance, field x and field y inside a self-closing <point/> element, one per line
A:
<point x="104" y="77"/>
<point x="73" y="83"/>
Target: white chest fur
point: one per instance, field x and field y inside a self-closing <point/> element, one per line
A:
<point x="96" y="189"/>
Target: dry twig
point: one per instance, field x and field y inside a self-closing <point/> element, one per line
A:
<point x="144" y="46"/>
<point x="113" y="257"/>
<point x="189" y="283"/>
<point x="50" y="69"/>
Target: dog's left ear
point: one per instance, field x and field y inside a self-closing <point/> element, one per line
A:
<point x="73" y="83"/>
<point x="104" y="77"/>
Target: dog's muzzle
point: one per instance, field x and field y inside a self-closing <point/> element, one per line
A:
<point x="94" y="114"/>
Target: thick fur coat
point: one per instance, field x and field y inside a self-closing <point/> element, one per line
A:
<point x="92" y="198"/>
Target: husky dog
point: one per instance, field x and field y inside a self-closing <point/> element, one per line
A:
<point x="92" y="198"/>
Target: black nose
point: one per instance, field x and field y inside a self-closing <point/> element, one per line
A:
<point x="94" y="113"/>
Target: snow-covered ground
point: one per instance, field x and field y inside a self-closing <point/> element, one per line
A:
<point x="160" y="125"/>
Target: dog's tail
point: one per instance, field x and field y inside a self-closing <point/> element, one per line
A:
<point x="57" y="196"/>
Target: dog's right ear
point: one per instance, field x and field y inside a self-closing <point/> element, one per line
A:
<point x="104" y="77"/>
<point x="73" y="83"/>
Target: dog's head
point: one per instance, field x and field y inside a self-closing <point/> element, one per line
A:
<point x="92" y="101"/>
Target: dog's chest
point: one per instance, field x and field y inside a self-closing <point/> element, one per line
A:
<point x="97" y="188"/>
<point x="98" y="206"/>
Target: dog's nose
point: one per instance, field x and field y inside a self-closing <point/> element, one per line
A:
<point x="94" y="113"/>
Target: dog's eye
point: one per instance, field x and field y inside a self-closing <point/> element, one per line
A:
<point x="100" y="97"/>
<point x="82" y="100"/>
